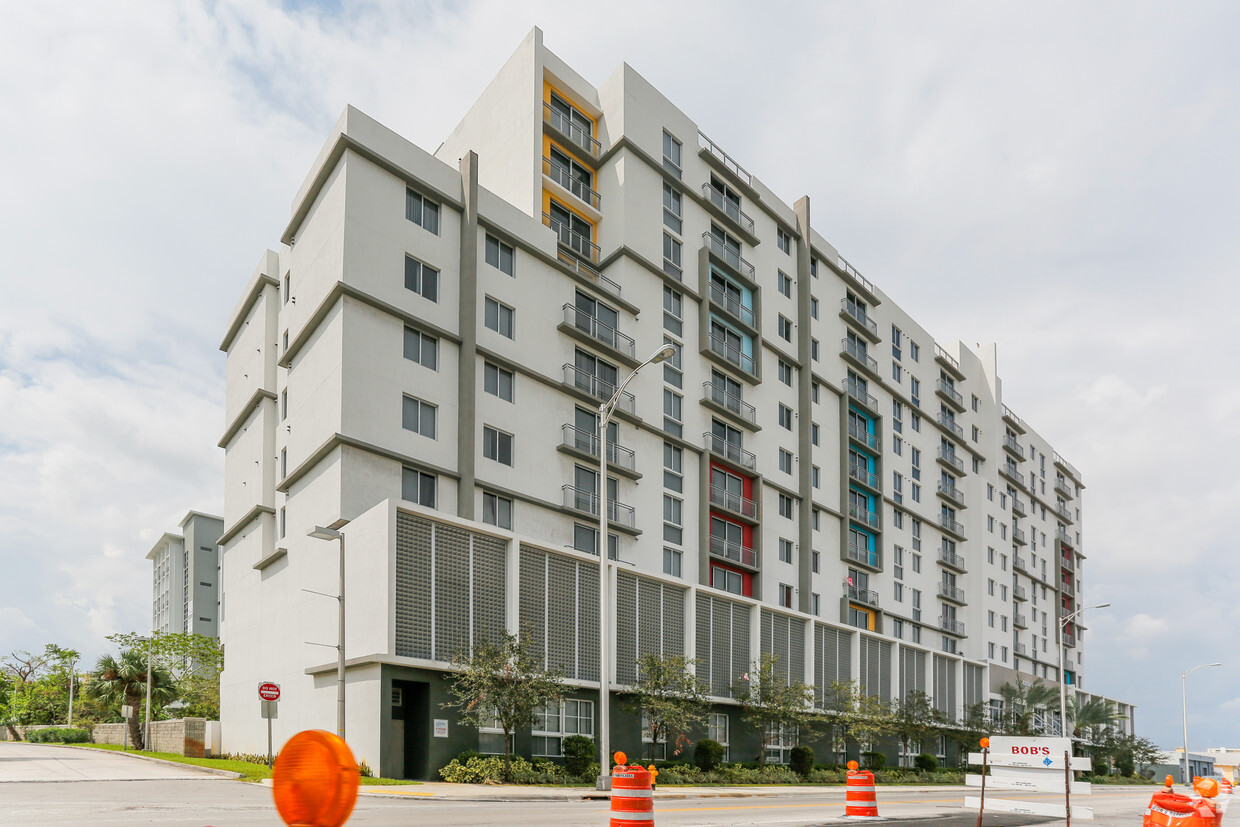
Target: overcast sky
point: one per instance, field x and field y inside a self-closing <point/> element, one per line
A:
<point x="1060" y="178"/>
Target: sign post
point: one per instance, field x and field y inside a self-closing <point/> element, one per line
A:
<point x="269" y="698"/>
<point x="126" y="713"/>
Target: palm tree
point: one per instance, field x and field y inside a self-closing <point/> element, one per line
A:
<point x="1022" y="700"/>
<point x="116" y="682"/>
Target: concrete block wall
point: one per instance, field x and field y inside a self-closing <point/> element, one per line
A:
<point x="182" y="737"/>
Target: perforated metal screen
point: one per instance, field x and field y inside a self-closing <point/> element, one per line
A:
<point x="945" y="685"/>
<point x="832" y="661"/>
<point x="650" y="620"/>
<point x="972" y="685"/>
<point x="912" y="671"/>
<point x="876" y="668"/>
<point x="559" y="611"/>
<point x="784" y="637"/>
<point x="722" y="643"/>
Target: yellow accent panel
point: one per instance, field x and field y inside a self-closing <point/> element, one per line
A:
<point x="546" y="207"/>
<point x="869" y="624"/>
<point x="548" y="89"/>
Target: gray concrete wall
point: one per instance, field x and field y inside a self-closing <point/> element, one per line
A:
<point x="182" y="737"/>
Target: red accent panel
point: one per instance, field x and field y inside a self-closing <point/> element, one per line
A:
<point x="746" y="577"/>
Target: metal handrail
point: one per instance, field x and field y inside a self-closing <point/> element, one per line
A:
<point x="730" y="451"/>
<point x="854" y="310"/>
<point x="1012" y="445"/>
<point x="733" y="354"/>
<point x="731" y="550"/>
<point x="871" y="441"/>
<point x="733" y="167"/>
<point x="583" y="269"/>
<point x="866" y="596"/>
<point x="730" y="209"/>
<point x="733" y="502"/>
<point x="587" y="501"/>
<point x="857" y="352"/>
<point x="864" y="516"/>
<point x="1018" y="506"/>
<point x="572" y="239"/>
<point x="940" y="353"/>
<point x="952" y="493"/>
<point x="1018" y="563"/>
<point x="956" y="627"/>
<point x="598" y="388"/>
<point x="954" y="593"/>
<point x="1018" y="535"/>
<point x="730" y="256"/>
<point x="952" y="559"/>
<point x="949" y="422"/>
<point x="576" y="186"/>
<point x="865" y="556"/>
<point x="733" y="306"/>
<point x="729" y="401"/>
<point x="948" y="390"/>
<point x="951" y="525"/>
<point x="854" y="272"/>
<point x="862" y="475"/>
<point x="578" y="135"/>
<point x="951" y="459"/>
<point x="855" y="391"/>
<point x="1007" y="412"/>
<point x="599" y="329"/>
<point x="587" y="442"/>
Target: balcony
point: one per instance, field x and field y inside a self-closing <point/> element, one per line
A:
<point x="1018" y="537"/>
<point x="576" y="186"/>
<point x="1067" y="561"/>
<point x="864" y="438"/>
<point x="711" y="150"/>
<point x="1019" y="594"/>
<point x="1069" y="639"/>
<point x="732" y="258"/>
<point x="948" y="361"/>
<point x="597" y="388"/>
<point x="856" y="353"/>
<point x="951" y="626"/>
<point x="571" y="239"/>
<point x="586" y="502"/>
<point x="580" y="138"/>
<point x="1009" y="470"/>
<point x="953" y="593"/>
<point x="1018" y="507"/>
<point x="865" y="517"/>
<point x="1013" y="447"/>
<point x="598" y="331"/>
<point x="1067" y="467"/>
<point x="1021" y="650"/>
<point x="733" y="354"/>
<point x="869" y="597"/>
<point x="1061" y="534"/>
<point x="952" y="560"/>
<point x="728" y="208"/>
<point x="1012" y="419"/>
<point x="586" y="442"/>
<point x="863" y="475"/>
<point x="954" y="526"/>
<point x="729" y="451"/>
<point x="949" y="459"/>
<point x="1020" y="621"/>
<point x="733" y="551"/>
<point x="733" y="502"/>
<point x="853" y="273"/>
<point x="949" y="394"/>
<point x="948" y="423"/>
<point x="866" y="557"/>
<point x="717" y="395"/>
<point x="1020" y="564"/>
<point x="951" y="493"/>
<point x="1062" y="487"/>
<point x="588" y="273"/>
<point x="1063" y="513"/>
<point x="857" y="391"/>
<point x="732" y="306"/>
<point x="856" y="315"/>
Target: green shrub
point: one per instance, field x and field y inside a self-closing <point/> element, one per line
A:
<point x="708" y="754"/>
<point x="578" y="754"/>
<point x="801" y="760"/>
<point x="827" y="775"/>
<point x="467" y="754"/>
<point x="58" y="735"/>
<point x="364" y="770"/>
<point x="926" y="762"/>
<point x="873" y="760"/>
<point x="490" y="770"/>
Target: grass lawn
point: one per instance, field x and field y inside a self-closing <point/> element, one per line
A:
<point x="249" y="771"/>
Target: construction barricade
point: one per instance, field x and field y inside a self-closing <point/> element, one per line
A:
<point x="860" y="799"/>
<point x="632" y="802"/>
<point x="1168" y="809"/>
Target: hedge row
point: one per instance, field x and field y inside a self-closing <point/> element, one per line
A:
<point x="58" y="735"/>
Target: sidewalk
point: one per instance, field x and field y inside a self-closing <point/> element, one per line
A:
<point x="512" y="792"/>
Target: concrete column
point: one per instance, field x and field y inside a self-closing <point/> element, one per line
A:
<point x="805" y="410"/>
<point x="467" y="385"/>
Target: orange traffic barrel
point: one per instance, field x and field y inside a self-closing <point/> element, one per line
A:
<point x="632" y="803"/>
<point x="861" y="800"/>
<point x="1226" y="785"/>
<point x="1175" y="810"/>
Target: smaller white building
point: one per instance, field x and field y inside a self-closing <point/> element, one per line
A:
<point x="185" y="577"/>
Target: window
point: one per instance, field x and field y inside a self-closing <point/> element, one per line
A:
<point x="813" y="433"/>
<point x="785" y="373"/>
<point x="813" y="349"/>
<point x="785" y="550"/>
<point x="717" y="730"/>
<point x="916" y="604"/>
<point x="497" y="381"/>
<point x="672" y="562"/>
<point x="916" y="422"/>
<point x="897" y="487"/>
<point x="673" y="467"/>
<point x="283" y="523"/>
<point x="496" y="445"/>
<point x="671" y="255"/>
<point x="897" y="557"/>
<point x="422" y="349"/>
<point x="421" y="279"/>
<point x="785" y="506"/>
<point x="896" y="373"/>
<point x="785" y="416"/>
<point x="896" y="339"/>
<point x="422" y="211"/>
<point x="500" y="317"/>
<point x="977" y="432"/>
<point x="585" y="537"/>
<point x="673" y="311"/>
<point x="784" y="283"/>
<point x="914" y="351"/>
<point x="726" y="579"/>
<point x="914" y="388"/>
<point x="815" y="603"/>
<point x="672" y="208"/>
<point x="419" y="417"/>
<point x="418" y="487"/>
<point x="897" y="629"/>
<point x="287" y="286"/>
<point x="499" y="255"/>
<point x="916" y="492"/>
<point x="815" y="559"/>
<point x="785" y="461"/>
<point x="977" y="403"/>
<point x="283" y="462"/>
<point x="785" y="595"/>
<point x="814" y="474"/>
<point x="785" y="328"/>
<point x="899" y="592"/>
<point x="284" y="404"/>
<point x="555" y="721"/>
<point x="813" y="307"/>
<point x="671" y="153"/>
<point x="783" y="241"/>
<point x="673" y="519"/>
<point x="673" y="404"/>
<point x="813" y="392"/>
<point x="496" y="510"/>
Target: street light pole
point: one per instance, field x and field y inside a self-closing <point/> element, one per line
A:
<point x="72" y="674"/>
<point x="605" y="410"/>
<point x="1184" y="706"/>
<point x="320" y="533"/>
<point x="146" y="735"/>
<point x="1063" y="687"/>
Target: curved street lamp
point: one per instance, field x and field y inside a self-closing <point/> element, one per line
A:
<point x="605" y="410"/>
<point x="1063" y="687"/>
<point x="1184" y="705"/>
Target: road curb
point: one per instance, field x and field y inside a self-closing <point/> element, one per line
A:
<point x="209" y="770"/>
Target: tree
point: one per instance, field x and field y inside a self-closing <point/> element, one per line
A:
<point x="1132" y="751"/>
<point x="859" y="716"/>
<point x="775" y="702"/>
<point x="968" y="732"/>
<point x="23" y="670"/>
<point x="914" y="720"/>
<point x="502" y="683"/>
<point x="1092" y="720"/>
<point x="194" y="662"/>
<point x="1022" y="700"/>
<point x="122" y="681"/>
<point x="670" y="695"/>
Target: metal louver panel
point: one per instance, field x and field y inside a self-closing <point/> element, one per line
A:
<point x="452" y="573"/>
<point x="626" y="628"/>
<point x="722" y="643"/>
<point x="945" y="685"/>
<point x="972" y="685"/>
<point x="413" y="586"/>
<point x="912" y="671"/>
<point x="490" y="586"/>
<point x="784" y="637"/>
<point x="832" y="661"/>
<point x="876" y="668"/>
<point x="559" y="611"/>
<point x="649" y="621"/>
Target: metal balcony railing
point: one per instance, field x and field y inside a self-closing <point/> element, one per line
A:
<point x="733" y="354"/>
<point x="576" y="186"/>
<point x="864" y="516"/>
<point x="734" y="551"/>
<point x="949" y="391"/>
<point x="729" y="401"/>
<point x="857" y="391"/>
<point x="1018" y="593"/>
<point x="854" y="273"/>
<point x="862" y="474"/>
<point x="952" y="593"/>
<point x="730" y="451"/>
<point x="956" y="627"/>
<point x="575" y="132"/>
<point x="954" y="526"/>
<point x="598" y="388"/>
<point x="1061" y="534"/>
<point x="948" y="457"/>
<point x="730" y="256"/>
<point x="1019" y="563"/>
<point x="855" y="311"/>
<point x="1061" y="485"/>
<point x="1067" y="561"/>
<point x="1018" y="536"/>
<point x="952" y="559"/>
<point x="857" y="352"/>
<point x="949" y="422"/>
<point x="586" y="502"/>
<point x="588" y="272"/>
<point x="1020" y="620"/>
<point x="943" y="356"/>
<point x="864" y="556"/>
<point x="1018" y="507"/>
<point x="732" y="167"/>
<point x="952" y="493"/>
<point x="1064" y="513"/>
<point x="573" y="240"/>
<point x="860" y="434"/>
<point x="729" y="208"/>
<point x="1009" y="470"/>
<point x="586" y="442"/>
<point x="1010" y="443"/>
<point x="1009" y="415"/>
<point x="733" y="502"/>
<point x="599" y="330"/>
<point x="732" y="306"/>
<point x="867" y="596"/>
<point x="1022" y="650"/>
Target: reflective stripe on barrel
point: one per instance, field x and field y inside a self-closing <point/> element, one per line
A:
<point x="632" y="802"/>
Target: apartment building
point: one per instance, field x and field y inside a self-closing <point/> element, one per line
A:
<point x="421" y="366"/>
<point x="185" y="575"/>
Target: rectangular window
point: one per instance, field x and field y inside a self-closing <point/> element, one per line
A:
<point x="785" y="328"/>
<point x="418" y="487"/>
<point x="500" y="317"/>
<point x="496" y="445"/>
<point x="673" y="519"/>
<point x="784" y="283"/>
<point x="785" y="550"/>
<point x="422" y="279"/>
<point x="813" y="349"/>
<point x="671" y="256"/>
<point x="914" y="351"/>
<point x="717" y="730"/>
<point x="815" y="559"/>
<point x="284" y="404"/>
<point x="422" y="211"/>
<point x="785" y="417"/>
<point x="813" y="433"/>
<point x="673" y="467"/>
<point x="783" y="241"/>
<point x="785" y="461"/>
<point x="671" y="153"/>
<point x="726" y="579"/>
<point x="421" y="348"/>
<point x="914" y="389"/>
<point x="896" y="374"/>
<point x="785" y="373"/>
<point x="556" y="721"/>
<point x="672" y="562"/>
<point x="500" y="255"/>
<point x="497" y="381"/>
<point x="673" y="405"/>
<point x="673" y="311"/>
<point x="419" y="417"/>
<point x="496" y="510"/>
<point x="785" y="506"/>
<point x="671" y="208"/>
<point x="814" y="475"/>
<point x="785" y="595"/>
<point x="813" y="307"/>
